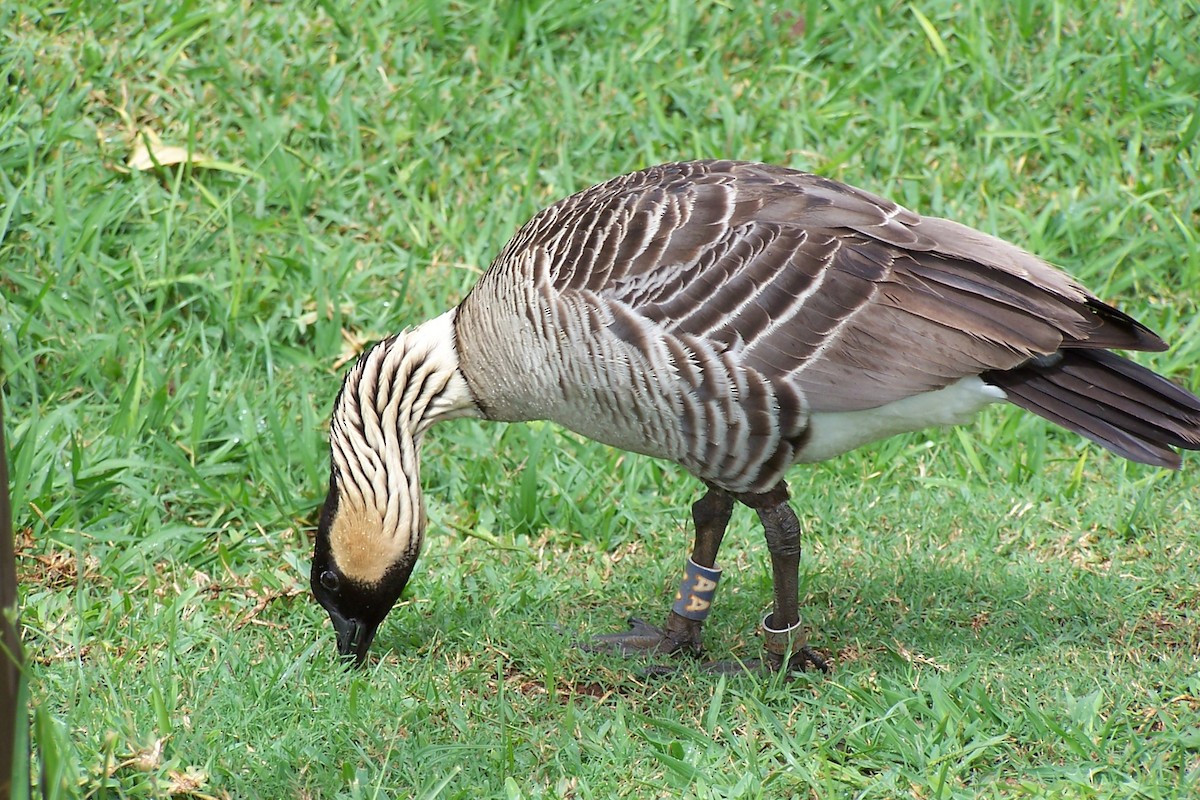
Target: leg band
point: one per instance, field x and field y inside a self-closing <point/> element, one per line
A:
<point x="696" y="591"/>
<point x="783" y="641"/>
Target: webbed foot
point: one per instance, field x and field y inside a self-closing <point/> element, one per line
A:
<point x="786" y="648"/>
<point x="769" y="664"/>
<point x="680" y="636"/>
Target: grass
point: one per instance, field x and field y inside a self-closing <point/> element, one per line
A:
<point x="1013" y="612"/>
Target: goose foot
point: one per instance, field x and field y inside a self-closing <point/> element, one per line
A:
<point x="680" y="636"/>
<point x="786" y="649"/>
<point x="800" y="661"/>
<point x="804" y="661"/>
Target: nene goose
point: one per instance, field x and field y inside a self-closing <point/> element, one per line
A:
<point x="735" y="318"/>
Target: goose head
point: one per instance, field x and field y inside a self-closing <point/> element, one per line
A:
<point x="359" y="570"/>
<point x="373" y="521"/>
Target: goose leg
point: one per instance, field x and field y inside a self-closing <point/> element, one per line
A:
<point x="681" y="633"/>
<point x="784" y="637"/>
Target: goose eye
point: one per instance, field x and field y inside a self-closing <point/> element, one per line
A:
<point x="329" y="580"/>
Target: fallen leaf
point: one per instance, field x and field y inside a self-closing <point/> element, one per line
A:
<point x="149" y="152"/>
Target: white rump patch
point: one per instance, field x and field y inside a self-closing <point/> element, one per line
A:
<point x="834" y="433"/>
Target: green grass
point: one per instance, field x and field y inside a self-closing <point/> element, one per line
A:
<point x="1013" y="613"/>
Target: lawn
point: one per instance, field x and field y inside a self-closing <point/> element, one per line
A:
<point x="1011" y="611"/>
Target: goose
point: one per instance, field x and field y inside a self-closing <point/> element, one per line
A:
<point x="737" y="319"/>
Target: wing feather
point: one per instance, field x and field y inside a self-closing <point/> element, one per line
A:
<point x="852" y="299"/>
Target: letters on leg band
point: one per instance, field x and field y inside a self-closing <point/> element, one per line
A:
<point x="696" y="591"/>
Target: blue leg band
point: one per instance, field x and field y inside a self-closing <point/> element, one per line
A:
<point x="696" y="591"/>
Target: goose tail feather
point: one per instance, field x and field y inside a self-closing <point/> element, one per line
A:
<point x="1109" y="399"/>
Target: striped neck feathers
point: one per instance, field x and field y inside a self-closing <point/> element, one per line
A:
<point x="391" y="396"/>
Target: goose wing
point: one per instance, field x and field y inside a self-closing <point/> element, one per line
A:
<point x="849" y="297"/>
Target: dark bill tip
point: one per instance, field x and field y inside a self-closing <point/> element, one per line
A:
<point x="354" y="638"/>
